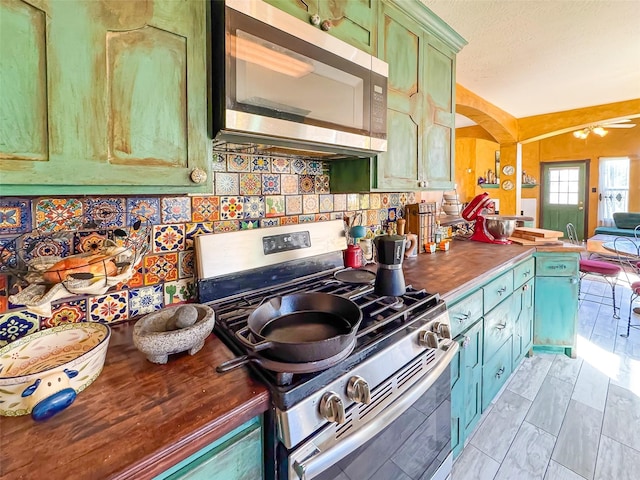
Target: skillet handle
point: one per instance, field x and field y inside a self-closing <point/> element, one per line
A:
<point x="233" y="364"/>
<point x="256" y="347"/>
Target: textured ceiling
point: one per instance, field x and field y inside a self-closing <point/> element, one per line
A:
<point x="531" y="57"/>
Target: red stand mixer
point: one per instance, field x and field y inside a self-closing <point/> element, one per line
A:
<point x="488" y="228"/>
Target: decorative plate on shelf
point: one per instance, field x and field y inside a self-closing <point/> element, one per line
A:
<point x="508" y="170"/>
<point x="507" y="185"/>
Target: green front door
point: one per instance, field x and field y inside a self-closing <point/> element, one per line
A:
<point x="564" y="196"/>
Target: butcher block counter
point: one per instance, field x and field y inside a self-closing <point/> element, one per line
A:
<point x="137" y="419"/>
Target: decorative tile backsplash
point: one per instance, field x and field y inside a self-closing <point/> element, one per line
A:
<point x="248" y="192"/>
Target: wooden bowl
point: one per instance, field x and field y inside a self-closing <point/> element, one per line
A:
<point x="43" y="372"/>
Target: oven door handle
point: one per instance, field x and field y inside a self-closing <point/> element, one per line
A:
<point x="319" y="461"/>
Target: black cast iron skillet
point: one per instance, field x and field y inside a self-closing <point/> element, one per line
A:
<point x="303" y="327"/>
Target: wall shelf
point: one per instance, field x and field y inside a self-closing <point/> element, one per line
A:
<point x="529" y="185"/>
<point x="489" y="185"/>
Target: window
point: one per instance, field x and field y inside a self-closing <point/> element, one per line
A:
<point x="564" y="185"/>
<point x="613" y="188"/>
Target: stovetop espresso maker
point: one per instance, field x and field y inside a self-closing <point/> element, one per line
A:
<point x="389" y="277"/>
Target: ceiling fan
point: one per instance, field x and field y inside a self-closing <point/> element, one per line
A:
<point x="600" y="128"/>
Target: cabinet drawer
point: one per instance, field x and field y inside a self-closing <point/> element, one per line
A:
<point x="495" y="373"/>
<point x="498" y="326"/>
<point x="497" y="290"/>
<point x="523" y="273"/>
<point x="557" y="266"/>
<point x="464" y="313"/>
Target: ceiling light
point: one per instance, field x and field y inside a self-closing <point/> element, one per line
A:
<point x="581" y="134"/>
<point x="584" y="133"/>
<point x="599" y="131"/>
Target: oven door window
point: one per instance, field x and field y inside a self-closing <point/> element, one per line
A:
<point x="274" y="74"/>
<point x="414" y="446"/>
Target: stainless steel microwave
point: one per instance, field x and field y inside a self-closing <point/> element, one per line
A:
<point x="276" y="80"/>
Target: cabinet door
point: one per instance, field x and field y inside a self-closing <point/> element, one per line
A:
<point x="400" y="44"/>
<point x="556" y="311"/>
<point x="439" y="122"/>
<point x="523" y="328"/>
<point x="102" y="93"/>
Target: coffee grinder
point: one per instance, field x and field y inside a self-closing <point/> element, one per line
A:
<point x="389" y="277"/>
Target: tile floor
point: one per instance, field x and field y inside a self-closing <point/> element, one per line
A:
<point x="567" y="419"/>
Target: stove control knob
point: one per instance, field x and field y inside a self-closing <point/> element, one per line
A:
<point x="358" y="390"/>
<point x="444" y="330"/>
<point x="428" y="339"/>
<point x="435" y="327"/>
<point x="332" y="408"/>
<point x="445" y="344"/>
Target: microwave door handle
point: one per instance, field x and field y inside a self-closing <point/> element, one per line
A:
<point x="312" y="466"/>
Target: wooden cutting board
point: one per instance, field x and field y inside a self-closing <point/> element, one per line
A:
<point x="542" y="241"/>
<point x="533" y="238"/>
<point x="537" y="232"/>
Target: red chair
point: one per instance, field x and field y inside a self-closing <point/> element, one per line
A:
<point x="628" y="252"/>
<point x="606" y="270"/>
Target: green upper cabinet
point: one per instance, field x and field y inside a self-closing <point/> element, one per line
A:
<point x="420" y="50"/>
<point x="103" y="97"/>
<point x="352" y="21"/>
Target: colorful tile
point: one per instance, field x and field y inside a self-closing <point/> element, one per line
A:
<point x="261" y="164"/>
<point x="89" y="241"/>
<point x="307" y="184"/>
<point x="289" y="184"/>
<point x="374" y="201"/>
<point x="231" y="208"/>
<point x="205" y="209"/>
<point x="326" y="203"/>
<point x="55" y="214"/>
<point x="391" y="215"/>
<point x="372" y="217"/>
<point x="314" y="167"/>
<point x="322" y="184"/>
<point x="145" y="300"/>
<point x="274" y="205"/>
<point x="339" y="202"/>
<point x="310" y="204"/>
<point x="384" y="200"/>
<point x="8" y="255"/>
<point x="307" y="218"/>
<point x="271" y="184"/>
<point x="292" y="220"/>
<point x="250" y="184"/>
<point x="249" y="224"/>
<point x="364" y="201"/>
<point x="58" y="244"/>
<point x="400" y="212"/>
<point x="280" y="165"/>
<point x="293" y="204"/>
<point x="298" y="166"/>
<point x="394" y="199"/>
<point x="226" y="184"/>
<point x="411" y="198"/>
<point x="180" y="291"/>
<point x="353" y="201"/>
<point x="136" y="280"/>
<point x="175" y="209"/>
<point x="15" y="215"/>
<point x="16" y="325"/>
<point x="403" y="199"/>
<point x="148" y="208"/>
<point x="186" y="264"/>
<point x="67" y="312"/>
<point x="323" y="217"/>
<point x="110" y="308"/>
<point x="383" y="215"/>
<point x="337" y="215"/>
<point x="160" y="268"/>
<point x="238" y="163"/>
<point x="225" y="226"/>
<point x="218" y="162"/>
<point x="3" y="294"/>
<point x="167" y="238"/>
<point x="269" y="222"/>
<point x="105" y="212"/>
<point x="192" y="230"/>
<point x="254" y="207"/>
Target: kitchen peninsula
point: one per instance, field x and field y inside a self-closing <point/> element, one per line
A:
<point x="138" y="418"/>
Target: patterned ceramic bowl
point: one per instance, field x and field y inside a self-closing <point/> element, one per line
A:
<point x="43" y="372"/>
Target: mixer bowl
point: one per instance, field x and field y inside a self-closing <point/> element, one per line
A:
<point x="499" y="226"/>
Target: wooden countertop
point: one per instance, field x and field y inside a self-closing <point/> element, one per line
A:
<point x="137" y="419"/>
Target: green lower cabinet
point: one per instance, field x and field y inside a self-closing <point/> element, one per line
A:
<point x="495" y="373"/>
<point x="523" y="328"/>
<point x="466" y="377"/>
<point x="236" y="456"/>
<point x="556" y="302"/>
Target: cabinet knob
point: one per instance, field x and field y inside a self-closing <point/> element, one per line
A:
<point x="314" y="19"/>
<point x="358" y="390"/>
<point x="332" y="408"/>
<point x="198" y="175"/>
<point x="326" y="25"/>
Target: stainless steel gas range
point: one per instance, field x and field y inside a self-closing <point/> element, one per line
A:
<point x="379" y="409"/>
